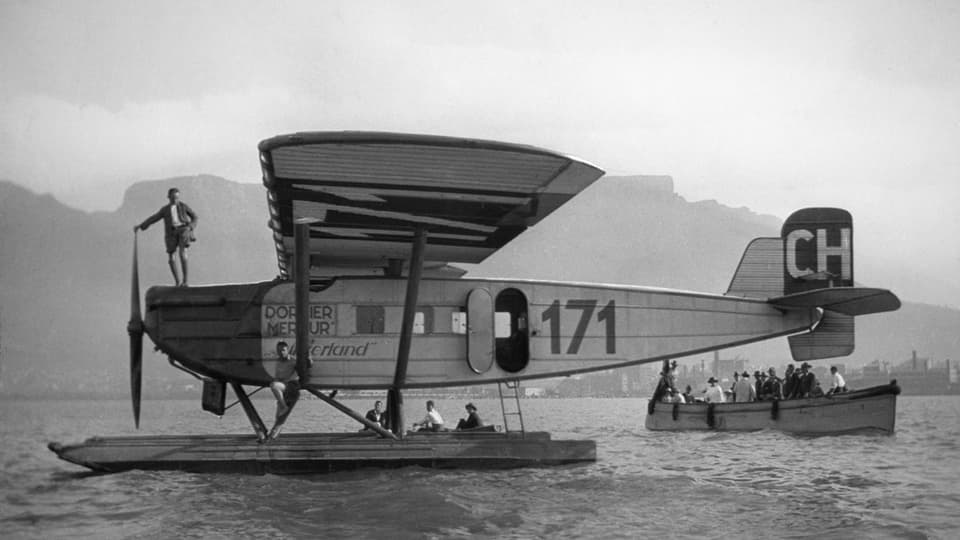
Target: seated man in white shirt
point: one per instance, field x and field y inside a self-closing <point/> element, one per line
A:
<point x="837" y="384"/>
<point x="432" y="421"/>
<point x="713" y="394"/>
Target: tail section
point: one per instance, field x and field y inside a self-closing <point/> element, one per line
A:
<point x="810" y="266"/>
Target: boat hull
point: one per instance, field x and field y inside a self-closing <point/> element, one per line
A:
<point x="312" y="453"/>
<point x="869" y="409"/>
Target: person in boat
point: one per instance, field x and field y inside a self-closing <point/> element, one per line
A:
<point x="733" y="387"/>
<point x="376" y="415"/>
<point x="807" y="381"/>
<point x="789" y="382"/>
<point x="743" y="391"/>
<point x="472" y="420"/>
<point x="713" y="393"/>
<point x="179" y="221"/>
<point x="667" y="381"/>
<point x="757" y="383"/>
<point x="687" y="394"/>
<point x="285" y="386"/>
<point x="432" y="421"/>
<point x="837" y="384"/>
<point x="772" y="386"/>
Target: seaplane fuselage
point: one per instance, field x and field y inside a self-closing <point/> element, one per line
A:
<point x="465" y="331"/>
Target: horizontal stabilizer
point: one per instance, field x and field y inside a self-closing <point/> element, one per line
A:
<point x="845" y="300"/>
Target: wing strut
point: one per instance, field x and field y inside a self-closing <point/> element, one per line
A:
<point x="394" y="397"/>
<point x="301" y="276"/>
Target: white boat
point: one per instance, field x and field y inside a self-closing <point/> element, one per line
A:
<point x="872" y="408"/>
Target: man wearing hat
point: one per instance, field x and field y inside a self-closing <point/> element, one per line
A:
<point x="671" y="375"/>
<point x="772" y="387"/>
<point x="789" y="382"/>
<point x="807" y="382"/>
<point x="743" y="391"/>
<point x="713" y="394"/>
<point x="472" y="420"/>
<point x="758" y="383"/>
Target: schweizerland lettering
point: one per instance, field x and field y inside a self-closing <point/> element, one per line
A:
<point x="336" y="350"/>
<point x="805" y="256"/>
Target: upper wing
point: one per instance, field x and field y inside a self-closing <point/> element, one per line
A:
<point x="367" y="192"/>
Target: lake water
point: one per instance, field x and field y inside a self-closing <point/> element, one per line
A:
<point x="644" y="484"/>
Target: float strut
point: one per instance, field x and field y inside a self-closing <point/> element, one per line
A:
<point x="258" y="426"/>
<point x="352" y="413"/>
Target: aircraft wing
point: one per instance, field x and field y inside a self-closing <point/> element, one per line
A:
<point x="366" y="193"/>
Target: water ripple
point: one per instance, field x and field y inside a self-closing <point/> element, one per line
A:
<point x="644" y="484"/>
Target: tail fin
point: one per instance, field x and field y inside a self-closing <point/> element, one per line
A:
<point x="811" y="267"/>
<point x="814" y="251"/>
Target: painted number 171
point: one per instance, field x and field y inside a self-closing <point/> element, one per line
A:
<point x="586" y="307"/>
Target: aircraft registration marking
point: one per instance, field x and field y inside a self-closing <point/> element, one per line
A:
<point x="607" y="315"/>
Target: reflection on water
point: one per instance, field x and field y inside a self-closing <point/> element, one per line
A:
<point x="643" y="484"/>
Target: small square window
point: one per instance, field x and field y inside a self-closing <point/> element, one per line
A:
<point x="458" y="322"/>
<point x="370" y="319"/>
<point x="423" y="320"/>
<point x="418" y="323"/>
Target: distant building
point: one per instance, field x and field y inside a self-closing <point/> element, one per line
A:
<point x="916" y="375"/>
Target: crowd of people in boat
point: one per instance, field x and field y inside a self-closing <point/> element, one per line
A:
<point x="766" y="386"/>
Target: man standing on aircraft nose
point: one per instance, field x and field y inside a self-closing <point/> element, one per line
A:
<point x="179" y="221"/>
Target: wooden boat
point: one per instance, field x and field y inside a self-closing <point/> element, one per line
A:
<point x="308" y="453"/>
<point x="868" y="409"/>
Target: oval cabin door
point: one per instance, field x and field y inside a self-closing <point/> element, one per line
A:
<point x="479" y="330"/>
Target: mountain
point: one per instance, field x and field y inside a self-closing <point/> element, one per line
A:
<point x="65" y="274"/>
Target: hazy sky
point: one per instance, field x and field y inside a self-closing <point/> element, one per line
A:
<point x="769" y="105"/>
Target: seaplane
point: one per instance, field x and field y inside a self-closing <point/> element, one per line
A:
<point x="368" y="228"/>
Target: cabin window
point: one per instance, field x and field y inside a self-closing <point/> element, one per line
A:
<point x="423" y="321"/>
<point x="370" y="319"/>
<point x="458" y="322"/>
<point x="510" y="330"/>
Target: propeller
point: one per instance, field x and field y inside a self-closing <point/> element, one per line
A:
<point x="135" y="330"/>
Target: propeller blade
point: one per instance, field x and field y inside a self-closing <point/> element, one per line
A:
<point x="136" y="374"/>
<point x="135" y="286"/>
<point x="135" y="330"/>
